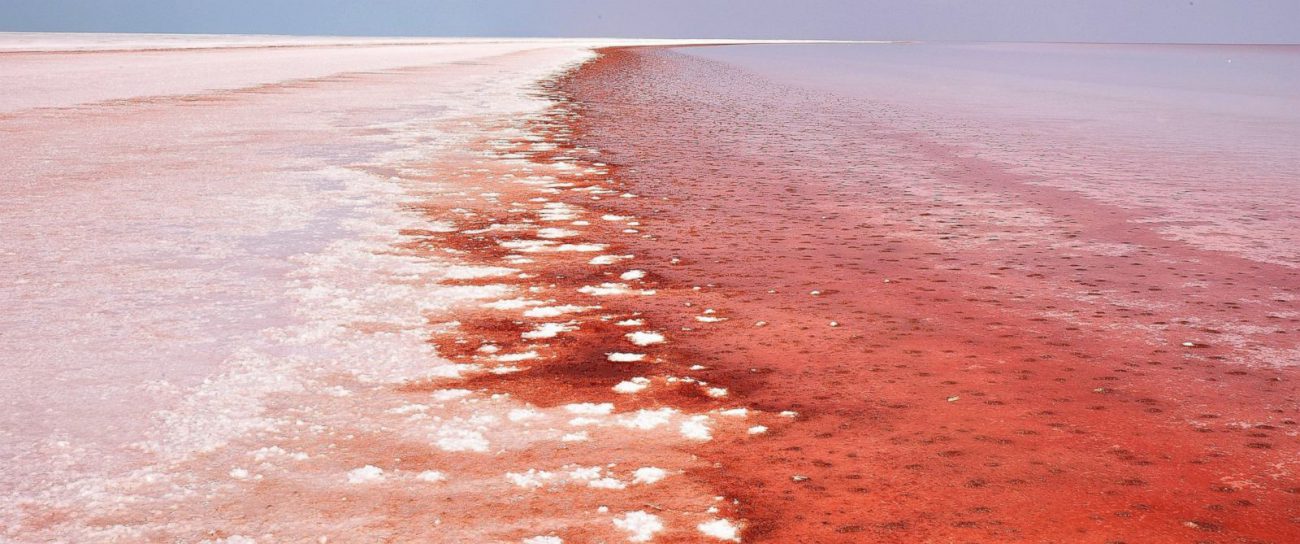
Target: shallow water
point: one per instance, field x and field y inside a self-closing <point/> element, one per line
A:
<point x="1007" y="301"/>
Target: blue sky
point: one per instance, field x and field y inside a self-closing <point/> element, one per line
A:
<point x="1230" y="21"/>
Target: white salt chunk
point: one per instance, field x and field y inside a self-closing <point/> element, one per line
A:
<point x="451" y="439"/>
<point x="644" y="338"/>
<point x="608" y="289"/>
<point x="548" y="330"/>
<point x="515" y="357"/>
<point x="517" y="415"/>
<point x="590" y="409"/>
<point x="552" y="233"/>
<point x="431" y="476"/>
<point x="606" y="483"/>
<point x="641" y="526"/>
<point x="648" y="475"/>
<point x="607" y="259"/>
<point x="444" y="395"/>
<point x="648" y="419"/>
<point x="634" y="385"/>
<point x="366" y="475"/>
<point x="720" y="529"/>
<point x="555" y="311"/>
<point x="532" y="479"/>
<point x="696" y="428"/>
<point x="582" y="248"/>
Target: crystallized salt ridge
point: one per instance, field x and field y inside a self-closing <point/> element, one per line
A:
<point x="556" y="311"/>
<point x="584" y="248"/>
<point x="610" y="289"/>
<point x="608" y="259"/>
<point x="553" y="232"/>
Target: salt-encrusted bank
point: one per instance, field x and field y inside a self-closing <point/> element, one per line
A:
<point x="317" y="292"/>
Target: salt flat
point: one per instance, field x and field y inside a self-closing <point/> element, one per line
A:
<point x="211" y="302"/>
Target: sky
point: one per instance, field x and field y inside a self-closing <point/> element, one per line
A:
<point x="1161" y="21"/>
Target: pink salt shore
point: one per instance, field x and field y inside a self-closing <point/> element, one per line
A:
<point x="265" y="289"/>
<point x="218" y="315"/>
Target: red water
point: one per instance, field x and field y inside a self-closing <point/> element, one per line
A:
<point x="973" y="356"/>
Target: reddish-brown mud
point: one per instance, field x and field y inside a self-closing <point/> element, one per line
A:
<point x="974" y="363"/>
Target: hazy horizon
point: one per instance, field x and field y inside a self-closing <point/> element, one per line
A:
<point x="1102" y="21"/>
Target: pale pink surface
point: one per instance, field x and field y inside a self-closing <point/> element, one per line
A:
<point x="1203" y="139"/>
<point x="35" y="80"/>
<point x="218" y="307"/>
<point x="157" y="209"/>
